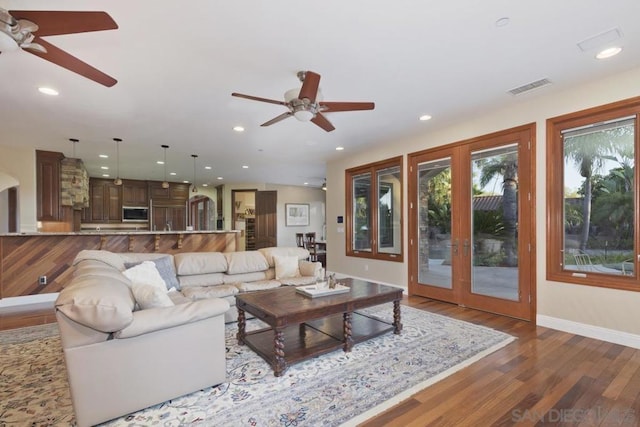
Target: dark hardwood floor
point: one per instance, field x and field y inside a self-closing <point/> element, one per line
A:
<point x="545" y="378"/>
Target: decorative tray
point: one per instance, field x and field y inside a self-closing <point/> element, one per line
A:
<point x="321" y="290"/>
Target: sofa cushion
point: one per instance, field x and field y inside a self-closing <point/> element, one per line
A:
<point x="245" y="262"/>
<point x="188" y="263"/>
<point x="286" y="266"/>
<point x="260" y="285"/>
<point x="299" y="281"/>
<point x="150" y="296"/>
<point x="268" y="253"/>
<point x="164" y="265"/>
<point x="309" y="268"/>
<point x="209" y="279"/>
<point x="98" y="303"/>
<point x="109" y="258"/>
<point x="200" y="292"/>
<point x="246" y="277"/>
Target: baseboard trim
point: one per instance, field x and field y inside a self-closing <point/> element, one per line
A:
<point x="590" y="331"/>
<point x="28" y="299"/>
<point x="344" y="276"/>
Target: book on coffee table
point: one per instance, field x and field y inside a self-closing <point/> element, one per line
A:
<point x="321" y="289"/>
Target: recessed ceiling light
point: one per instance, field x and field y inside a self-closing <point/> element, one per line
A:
<point x="172" y="173"/>
<point x="245" y="167"/>
<point x="609" y="52"/>
<point x="160" y="162"/>
<point x="106" y="175"/>
<point x="502" y="22"/>
<point x="425" y="117"/>
<point x="185" y="181"/>
<point x="103" y="156"/>
<point x="205" y="185"/>
<point x="104" y="167"/>
<point x="306" y="183"/>
<point x="339" y="148"/>
<point x="48" y="91"/>
<point x="220" y="177"/>
<point x="238" y="128"/>
<point x="208" y="168"/>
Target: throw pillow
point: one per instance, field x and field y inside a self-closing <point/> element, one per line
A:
<point x="150" y="296"/>
<point x="286" y="267"/>
<point x="165" y="268"/>
<point x="146" y="273"/>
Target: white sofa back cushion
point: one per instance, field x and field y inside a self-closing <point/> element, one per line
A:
<point x="245" y="262"/>
<point x="188" y="263"/>
<point x="268" y="253"/>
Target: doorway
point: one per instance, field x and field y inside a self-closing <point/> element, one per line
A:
<point x="255" y="214"/>
<point x="471" y="223"/>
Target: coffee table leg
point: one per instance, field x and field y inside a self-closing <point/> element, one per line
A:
<point x="278" y="351"/>
<point x="241" y="326"/>
<point x="347" y="331"/>
<point x="397" y="325"/>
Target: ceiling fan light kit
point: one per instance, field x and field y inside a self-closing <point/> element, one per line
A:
<point x="24" y="28"/>
<point x="307" y="105"/>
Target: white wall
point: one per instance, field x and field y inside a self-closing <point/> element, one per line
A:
<point x="600" y="307"/>
<point x="18" y="167"/>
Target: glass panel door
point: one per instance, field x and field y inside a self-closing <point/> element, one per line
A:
<point x="434" y="230"/>
<point x="494" y="243"/>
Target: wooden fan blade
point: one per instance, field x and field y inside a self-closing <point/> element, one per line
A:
<point x="310" y="86"/>
<point x="322" y="121"/>
<point x="65" y="60"/>
<point x="53" y="23"/>
<point x="278" y="119"/>
<point x="255" y="98"/>
<point x="330" y="107"/>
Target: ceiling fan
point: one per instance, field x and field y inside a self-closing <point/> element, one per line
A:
<point x="306" y="105"/>
<point x="25" y="29"/>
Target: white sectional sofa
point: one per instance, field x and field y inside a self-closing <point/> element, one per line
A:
<point x="126" y="318"/>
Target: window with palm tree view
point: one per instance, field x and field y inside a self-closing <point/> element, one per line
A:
<point x="593" y="236"/>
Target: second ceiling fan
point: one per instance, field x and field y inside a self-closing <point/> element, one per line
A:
<point x="305" y="105"/>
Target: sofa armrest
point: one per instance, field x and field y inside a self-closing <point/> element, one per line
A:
<point x="155" y="319"/>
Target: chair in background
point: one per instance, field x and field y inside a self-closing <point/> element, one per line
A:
<point x="300" y="240"/>
<point x="315" y="254"/>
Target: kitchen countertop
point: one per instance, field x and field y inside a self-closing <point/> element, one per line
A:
<point x="118" y="232"/>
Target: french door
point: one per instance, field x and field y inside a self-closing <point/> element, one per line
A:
<point x="471" y="223"/>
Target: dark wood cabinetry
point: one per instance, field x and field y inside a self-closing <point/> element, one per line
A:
<point x="168" y="206"/>
<point x="135" y="193"/>
<point x="106" y="201"/>
<point x="48" y="185"/>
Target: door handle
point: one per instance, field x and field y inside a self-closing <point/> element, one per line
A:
<point x="454" y="245"/>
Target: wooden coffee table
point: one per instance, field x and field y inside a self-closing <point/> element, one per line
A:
<point x="302" y="327"/>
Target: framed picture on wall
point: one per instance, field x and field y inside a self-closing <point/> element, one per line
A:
<point x="296" y="214"/>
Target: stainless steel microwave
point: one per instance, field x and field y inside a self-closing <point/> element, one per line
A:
<point x="135" y="213"/>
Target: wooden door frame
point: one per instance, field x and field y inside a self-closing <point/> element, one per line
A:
<point x="527" y="224"/>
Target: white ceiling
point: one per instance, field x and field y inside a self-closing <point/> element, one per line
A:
<point x="178" y="62"/>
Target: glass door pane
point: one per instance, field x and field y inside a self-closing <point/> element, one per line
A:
<point x="494" y="237"/>
<point x="389" y="210"/>
<point x="434" y="223"/>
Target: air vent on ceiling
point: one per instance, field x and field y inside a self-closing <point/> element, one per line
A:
<point x="530" y="86"/>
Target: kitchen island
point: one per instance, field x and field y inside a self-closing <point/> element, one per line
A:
<point x="38" y="263"/>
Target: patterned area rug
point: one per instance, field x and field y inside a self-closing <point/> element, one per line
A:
<point x="335" y="389"/>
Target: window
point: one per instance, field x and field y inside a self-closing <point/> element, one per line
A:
<point x="592" y="188"/>
<point x="374" y="210"/>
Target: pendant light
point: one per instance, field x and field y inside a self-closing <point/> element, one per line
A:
<point x="194" y="189"/>
<point x="165" y="183"/>
<point x="117" y="181"/>
<point x="74" y="180"/>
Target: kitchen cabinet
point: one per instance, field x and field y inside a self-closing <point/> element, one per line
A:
<point x="48" y="185"/>
<point x="135" y="193"/>
<point x="169" y="218"/>
<point x="106" y="200"/>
